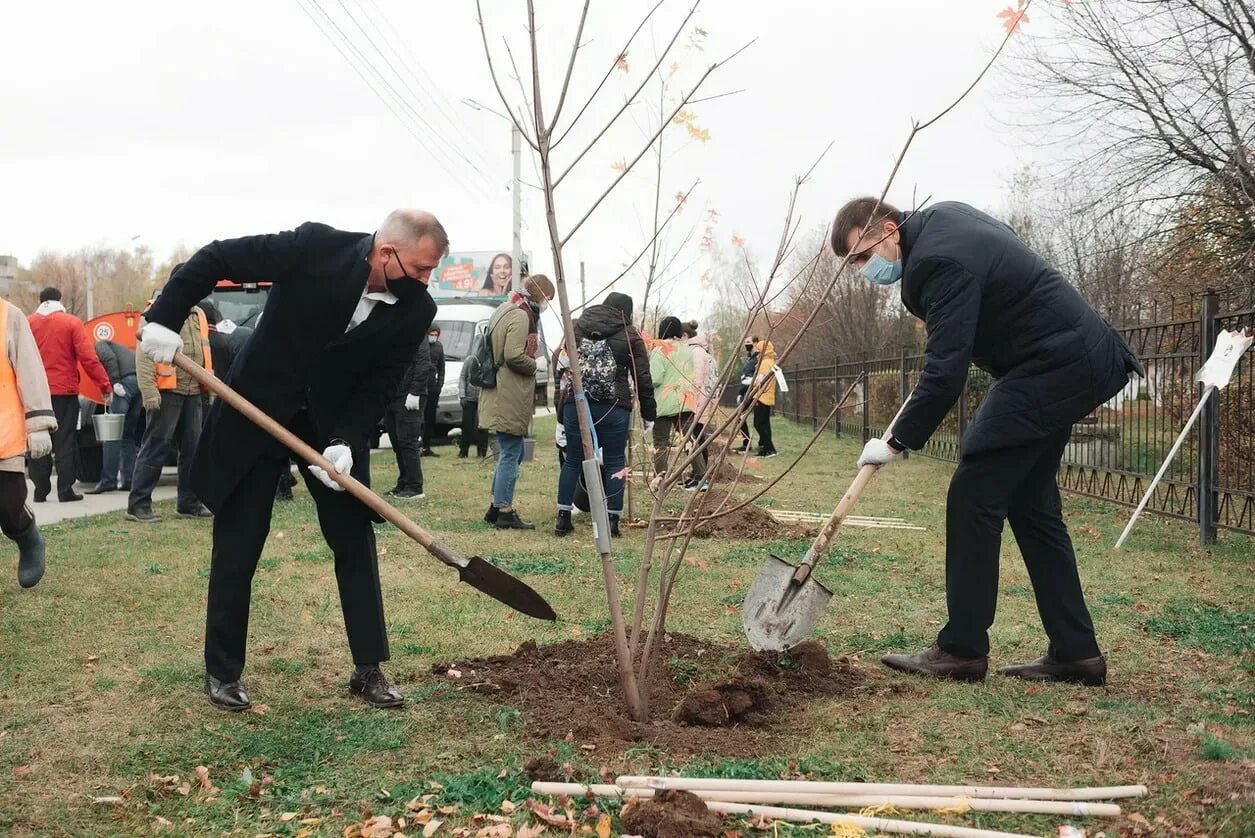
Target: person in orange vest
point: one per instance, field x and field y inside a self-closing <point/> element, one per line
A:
<point x="173" y="402"/>
<point x="26" y="425"/>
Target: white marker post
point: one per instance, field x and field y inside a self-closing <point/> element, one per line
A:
<point x="1214" y="375"/>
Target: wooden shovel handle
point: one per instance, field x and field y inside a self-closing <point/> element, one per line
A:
<point x="829" y="530"/>
<point x="353" y="486"/>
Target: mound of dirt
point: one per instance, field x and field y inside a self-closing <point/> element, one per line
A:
<point x="570" y="690"/>
<point x="748" y="522"/>
<point x="727" y="472"/>
<point x="671" y="814"/>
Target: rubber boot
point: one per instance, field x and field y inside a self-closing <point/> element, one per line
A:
<point x="614" y="526"/>
<point x="563" y="526"/>
<point x="30" y="561"/>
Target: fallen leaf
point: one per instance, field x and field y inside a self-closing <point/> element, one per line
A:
<point x="430" y="828"/>
<point x="546" y="813"/>
<point x="160" y="821"/>
<point x="507" y="807"/>
<point x="527" y="830"/>
<point x="603" y="826"/>
<point x="287" y="816"/>
<point x="497" y="830"/>
<point x="379" y="826"/>
<point x="22" y="770"/>
<point x="259" y="709"/>
<point x="202" y="776"/>
<point x="111" y="800"/>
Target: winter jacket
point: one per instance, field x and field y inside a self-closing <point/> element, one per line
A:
<point x="118" y="360"/>
<point x="414" y="382"/>
<point x="28" y="373"/>
<point x="508" y="407"/>
<point x="765" y="351"/>
<point x="748" y="367"/>
<point x="705" y="377"/>
<point x="987" y="299"/>
<point x="184" y="384"/>
<point x="612" y="322"/>
<point x="63" y="344"/>
<point x="435" y="381"/>
<point x="672" y="368"/>
<point x="467" y="391"/>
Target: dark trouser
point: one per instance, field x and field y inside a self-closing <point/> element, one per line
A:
<point x="176" y="423"/>
<point x="1017" y="485"/>
<point x="744" y="429"/>
<point x="471" y="434"/>
<point x="762" y="427"/>
<point x="404" y="428"/>
<point x="119" y="456"/>
<point x="240" y="529"/>
<point x="15" y="515"/>
<point x="64" y="451"/>
<point x="611" y="422"/>
<point x="430" y="402"/>
<point x="664" y="427"/>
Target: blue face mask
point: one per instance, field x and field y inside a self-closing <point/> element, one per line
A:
<point x="881" y="271"/>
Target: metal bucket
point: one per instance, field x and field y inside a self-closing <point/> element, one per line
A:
<point x="108" y="426"/>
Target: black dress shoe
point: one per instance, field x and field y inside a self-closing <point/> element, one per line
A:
<point x="563" y="526"/>
<point x="372" y="685"/>
<point x="142" y="515"/>
<point x="1092" y="672"/>
<point x="69" y="497"/>
<point x="935" y="662"/>
<point x="30" y="558"/>
<point x="197" y="511"/>
<point x="226" y="695"/>
<point x="490" y="517"/>
<point x="511" y="521"/>
<point x="100" y="489"/>
<point x="40" y="497"/>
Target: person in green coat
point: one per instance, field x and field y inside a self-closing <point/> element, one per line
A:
<point x="506" y="409"/>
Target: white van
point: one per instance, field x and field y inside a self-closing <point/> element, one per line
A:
<point x="458" y="318"/>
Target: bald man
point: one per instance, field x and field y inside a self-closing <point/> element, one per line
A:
<point x="342" y="322"/>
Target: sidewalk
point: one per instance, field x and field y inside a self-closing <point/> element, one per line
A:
<point x="53" y="511"/>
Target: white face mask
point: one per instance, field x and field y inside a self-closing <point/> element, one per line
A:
<point x="431" y="338"/>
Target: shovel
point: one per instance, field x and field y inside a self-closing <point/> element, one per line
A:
<point x="476" y="572"/>
<point x="784" y="603"/>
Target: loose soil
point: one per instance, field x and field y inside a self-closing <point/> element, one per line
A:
<point x="671" y="814"/>
<point x="728" y="470"/>
<point x="748" y="522"/>
<point x="570" y="691"/>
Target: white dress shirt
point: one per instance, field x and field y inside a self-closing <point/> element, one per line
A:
<point x="367" y="304"/>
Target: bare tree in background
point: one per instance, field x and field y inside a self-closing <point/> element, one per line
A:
<point x="121" y="278"/>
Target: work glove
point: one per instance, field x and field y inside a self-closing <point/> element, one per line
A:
<point x="39" y="444"/>
<point x="119" y="390"/>
<point x="153" y="403"/>
<point x="159" y="343"/>
<point x="877" y="453"/>
<point x="341" y="457"/>
<point x="413" y="402"/>
<point x="648" y="427"/>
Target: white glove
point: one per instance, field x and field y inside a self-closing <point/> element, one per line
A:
<point x="413" y="402"/>
<point x="877" y="453"/>
<point x="159" y="343"/>
<point x="341" y="458"/>
<point x="39" y="444"/>
<point x="649" y="426"/>
<point x="119" y="390"/>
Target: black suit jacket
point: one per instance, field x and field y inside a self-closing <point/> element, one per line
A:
<point x="987" y="299"/>
<point x="299" y="358"/>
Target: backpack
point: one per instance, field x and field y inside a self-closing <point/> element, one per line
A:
<point x="481" y="366"/>
<point x="598" y="371"/>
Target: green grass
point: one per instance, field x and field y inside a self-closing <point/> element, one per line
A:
<point x="101" y="668"/>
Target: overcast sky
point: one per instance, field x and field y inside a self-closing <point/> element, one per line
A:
<point x="181" y="123"/>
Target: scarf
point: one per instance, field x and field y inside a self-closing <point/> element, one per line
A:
<point x="523" y="302"/>
<point x="49" y="307"/>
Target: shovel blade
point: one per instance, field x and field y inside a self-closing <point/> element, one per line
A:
<point x="484" y="576"/>
<point x="778" y="613"/>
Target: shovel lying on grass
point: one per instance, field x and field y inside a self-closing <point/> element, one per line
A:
<point x="476" y="572"/>
<point x="785" y="601"/>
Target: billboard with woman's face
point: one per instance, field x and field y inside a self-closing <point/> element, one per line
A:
<point x="472" y="273"/>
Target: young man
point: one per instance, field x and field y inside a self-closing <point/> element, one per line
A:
<point x="506" y="409"/>
<point x="26" y="420"/>
<point x="435" y="383"/>
<point x="472" y="436"/>
<point x="118" y="456"/>
<point x="404" y="424"/>
<point x="341" y="324"/>
<point x="988" y="299"/>
<point x="63" y="344"/>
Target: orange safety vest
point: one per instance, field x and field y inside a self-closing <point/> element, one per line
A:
<point x="12" y="412"/>
<point x="167" y="377"/>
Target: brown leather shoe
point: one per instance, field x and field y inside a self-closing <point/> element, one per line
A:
<point x="937" y="663"/>
<point x="1092" y="672"/>
<point x="372" y="685"/>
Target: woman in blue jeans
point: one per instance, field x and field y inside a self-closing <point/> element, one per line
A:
<point x="612" y="359"/>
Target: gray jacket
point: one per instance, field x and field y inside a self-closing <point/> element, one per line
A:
<point x="118" y="360"/>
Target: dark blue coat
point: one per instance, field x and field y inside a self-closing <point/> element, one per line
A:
<point x="987" y="299"/>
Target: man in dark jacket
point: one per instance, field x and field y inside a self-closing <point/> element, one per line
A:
<point x="748" y="368"/>
<point x="341" y="324"/>
<point x="435" y="383"/>
<point x="988" y="299"/>
<point x="119" y="455"/>
<point x="612" y="358"/>
<point x="404" y="424"/>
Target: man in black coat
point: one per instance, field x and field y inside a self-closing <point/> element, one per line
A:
<point x="435" y="383"/>
<point x="341" y="324"/>
<point x="404" y="423"/>
<point x="987" y="299"/>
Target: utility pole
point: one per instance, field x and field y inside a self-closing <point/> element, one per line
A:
<point x="516" y="261"/>
<point x="91" y="299"/>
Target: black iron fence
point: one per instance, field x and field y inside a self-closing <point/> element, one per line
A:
<point x="1116" y="450"/>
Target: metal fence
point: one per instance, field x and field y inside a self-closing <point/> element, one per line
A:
<point x="1116" y="450"/>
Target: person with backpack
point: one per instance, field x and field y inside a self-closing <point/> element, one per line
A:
<point x="679" y="393"/>
<point x="612" y="359"/>
<point x="468" y="397"/>
<point x="505" y="371"/>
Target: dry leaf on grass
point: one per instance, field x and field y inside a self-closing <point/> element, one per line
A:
<point x="528" y="830"/>
<point x="603" y="826"/>
<point x="22" y="770"/>
<point x="202" y="776"/>
<point x="431" y="826"/>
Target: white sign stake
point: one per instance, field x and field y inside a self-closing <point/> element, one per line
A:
<point x="1214" y="375"/>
